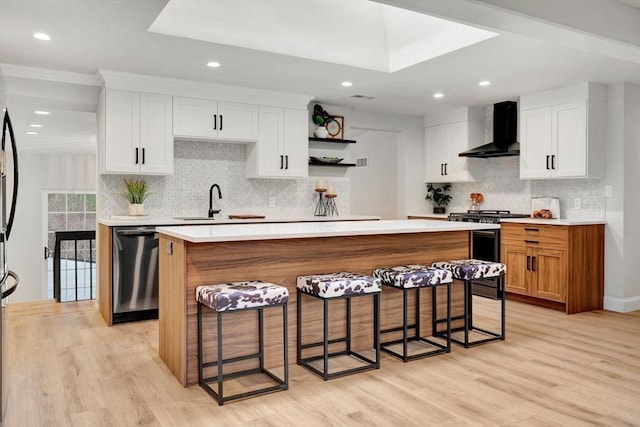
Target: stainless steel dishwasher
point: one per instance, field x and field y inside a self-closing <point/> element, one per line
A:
<point x="135" y="274"/>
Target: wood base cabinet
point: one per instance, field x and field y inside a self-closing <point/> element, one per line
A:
<point x="560" y="266"/>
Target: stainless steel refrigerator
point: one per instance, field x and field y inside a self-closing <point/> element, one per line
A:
<point x="8" y="279"/>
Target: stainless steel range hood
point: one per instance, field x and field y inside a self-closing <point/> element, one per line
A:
<point x="505" y="130"/>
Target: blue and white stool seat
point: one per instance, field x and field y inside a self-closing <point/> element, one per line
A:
<point x="225" y="299"/>
<point x="482" y="274"/>
<point x="241" y="295"/>
<point x="335" y="285"/>
<point x="472" y="269"/>
<point x="329" y="288"/>
<point x="413" y="276"/>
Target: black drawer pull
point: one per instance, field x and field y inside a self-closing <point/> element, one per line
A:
<point x="531" y="229"/>
<point x="531" y="241"/>
<point x="533" y="263"/>
<point x="528" y="262"/>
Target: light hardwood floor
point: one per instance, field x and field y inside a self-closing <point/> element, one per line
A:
<point x="67" y="368"/>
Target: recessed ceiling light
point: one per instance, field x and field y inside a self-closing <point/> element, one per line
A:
<point x="347" y="84"/>
<point x="33" y="125"/>
<point x="213" y="64"/>
<point x="42" y="113"/>
<point x="484" y="83"/>
<point x="31" y="132"/>
<point x="42" y="36"/>
<point x="438" y="95"/>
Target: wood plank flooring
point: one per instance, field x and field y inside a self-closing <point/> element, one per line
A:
<point x="67" y="368"/>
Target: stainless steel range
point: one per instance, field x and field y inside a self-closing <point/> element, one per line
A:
<point x="485" y="216"/>
<point x="485" y="244"/>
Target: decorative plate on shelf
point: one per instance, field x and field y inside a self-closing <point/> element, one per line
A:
<point x="326" y="159"/>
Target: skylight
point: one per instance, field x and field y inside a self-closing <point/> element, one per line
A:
<point x="358" y="33"/>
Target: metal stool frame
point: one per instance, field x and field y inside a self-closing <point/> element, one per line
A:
<point x="281" y="383"/>
<point x="324" y="373"/>
<point x="468" y="316"/>
<point x="416" y="326"/>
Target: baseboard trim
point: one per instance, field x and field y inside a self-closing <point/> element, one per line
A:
<point x="622" y="305"/>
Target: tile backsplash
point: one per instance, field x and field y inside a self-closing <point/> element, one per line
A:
<point x="503" y="189"/>
<point x="200" y="164"/>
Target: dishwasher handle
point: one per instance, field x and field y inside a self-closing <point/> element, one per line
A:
<point x="148" y="232"/>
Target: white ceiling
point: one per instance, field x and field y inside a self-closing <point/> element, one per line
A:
<point x="543" y="44"/>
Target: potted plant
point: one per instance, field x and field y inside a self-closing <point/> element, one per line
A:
<point x="438" y="196"/>
<point x="136" y="191"/>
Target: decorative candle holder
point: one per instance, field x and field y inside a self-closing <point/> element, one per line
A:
<point x="331" y="207"/>
<point x="321" y="206"/>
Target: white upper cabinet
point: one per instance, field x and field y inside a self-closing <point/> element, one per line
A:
<point x="209" y="119"/>
<point x="135" y="133"/>
<point x="446" y="135"/>
<point x="562" y="133"/>
<point x="282" y="149"/>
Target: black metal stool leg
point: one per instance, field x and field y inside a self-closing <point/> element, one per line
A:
<point x="500" y="280"/>
<point x="285" y="349"/>
<point x="448" y="317"/>
<point x="467" y="321"/>
<point x="299" y="327"/>
<point x="261" y="337"/>
<point x="404" y="325"/>
<point x="376" y="327"/>
<point x="220" y="373"/>
<point x="325" y="341"/>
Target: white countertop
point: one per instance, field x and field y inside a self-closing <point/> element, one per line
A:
<point x="244" y="232"/>
<point x="431" y="215"/>
<point x="561" y="221"/>
<point x="219" y="220"/>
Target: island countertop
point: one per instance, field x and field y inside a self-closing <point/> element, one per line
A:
<point x="245" y="232"/>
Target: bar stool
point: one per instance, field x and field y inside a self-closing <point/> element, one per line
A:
<point x="328" y="287"/>
<point x="468" y="270"/>
<point x="410" y="278"/>
<point x="234" y="297"/>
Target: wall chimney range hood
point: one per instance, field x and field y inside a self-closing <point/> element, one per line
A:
<point x="505" y="130"/>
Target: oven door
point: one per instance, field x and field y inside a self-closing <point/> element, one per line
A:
<point x="485" y="245"/>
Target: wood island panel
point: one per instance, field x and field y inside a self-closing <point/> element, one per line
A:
<point x="280" y="261"/>
<point x="105" y="291"/>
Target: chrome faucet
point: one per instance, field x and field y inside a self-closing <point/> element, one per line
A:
<point x="211" y="211"/>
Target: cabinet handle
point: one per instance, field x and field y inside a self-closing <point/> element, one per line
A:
<point x="547" y="162"/>
<point x="215" y="123"/>
<point x="136" y="155"/>
<point x="281" y="161"/>
<point x="530" y="229"/>
<point x="445" y="169"/>
<point x="533" y="263"/>
<point x="220" y="121"/>
<point x="531" y="241"/>
<point x="553" y="161"/>
<point x="528" y="262"/>
<point x="143" y="156"/>
<point x="441" y="169"/>
<point x="286" y="158"/>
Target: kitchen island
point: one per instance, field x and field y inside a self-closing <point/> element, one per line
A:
<point x="191" y="256"/>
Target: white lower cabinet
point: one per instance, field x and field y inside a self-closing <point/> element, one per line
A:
<point x="211" y="119"/>
<point x="282" y="149"/>
<point x="135" y="133"/>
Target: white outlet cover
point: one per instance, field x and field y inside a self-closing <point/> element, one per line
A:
<point x="608" y="190"/>
<point x="577" y="203"/>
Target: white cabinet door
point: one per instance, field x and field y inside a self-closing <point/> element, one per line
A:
<point x="296" y="143"/>
<point x="196" y="118"/>
<point x="237" y="121"/>
<point x="569" y="140"/>
<point x="457" y="141"/>
<point x="269" y="146"/>
<point x="210" y="119"/>
<point x="435" y="153"/>
<point x="156" y="136"/>
<point x="122" y="131"/>
<point x="535" y="143"/>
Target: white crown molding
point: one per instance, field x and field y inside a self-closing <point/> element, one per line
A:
<point x="21" y="71"/>
<point x="188" y="88"/>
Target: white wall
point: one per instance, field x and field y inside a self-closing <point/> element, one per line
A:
<point x="40" y="172"/>
<point x="409" y="132"/>
<point x="622" y="287"/>
<point x="374" y="189"/>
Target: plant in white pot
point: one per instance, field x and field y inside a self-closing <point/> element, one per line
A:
<point x="438" y="197"/>
<point x="136" y="191"/>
